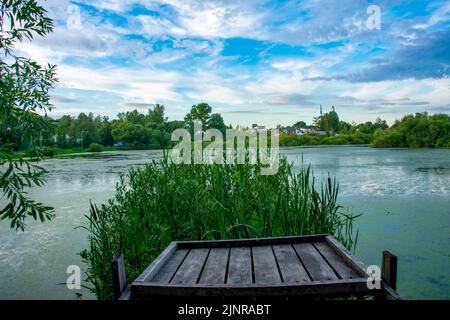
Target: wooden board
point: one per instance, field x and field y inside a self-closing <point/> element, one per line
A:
<point x="265" y="266"/>
<point x="250" y="242"/>
<point x="290" y="265"/>
<point x="172" y="265"/>
<point x="339" y="266"/>
<point x="190" y="269"/>
<point x="215" y="269"/>
<point x="314" y="263"/>
<point x="240" y="266"/>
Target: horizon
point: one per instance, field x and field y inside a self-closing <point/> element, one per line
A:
<point x="265" y="62"/>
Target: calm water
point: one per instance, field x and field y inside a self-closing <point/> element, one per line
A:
<point x="404" y="196"/>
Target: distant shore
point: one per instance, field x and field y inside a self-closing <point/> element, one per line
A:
<point x="78" y="152"/>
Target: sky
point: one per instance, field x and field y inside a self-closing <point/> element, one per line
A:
<point x="264" y="62"/>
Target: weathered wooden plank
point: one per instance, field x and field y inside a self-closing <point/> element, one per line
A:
<point x="265" y="266"/>
<point x="388" y="293"/>
<point x="348" y="257"/>
<point x="155" y="266"/>
<point x="315" y="265"/>
<point x="389" y="269"/>
<point x="291" y="268"/>
<point x="250" y="242"/>
<point x="343" y="270"/>
<point x="215" y="268"/>
<point x="240" y="266"/>
<point x="335" y="288"/>
<point x="168" y="270"/>
<point x="118" y="275"/>
<point x="126" y="294"/>
<point x="190" y="269"/>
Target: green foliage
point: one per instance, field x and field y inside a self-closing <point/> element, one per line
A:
<point x="95" y="147"/>
<point x="104" y="133"/>
<point x="314" y="140"/>
<point x="216" y="122"/>
<point x="416" y="131"/>
<point x="45" y="152"/>
<point x="299" y="125"/>
<point x="200" y="112"/>
<point x="24" y="87"/>
<point x="136" y="130"/>
<point x="155" y="117"/>
<point x="328" y="122"/>
<point x="164" y="202"/>
<point x="412" y="131"/>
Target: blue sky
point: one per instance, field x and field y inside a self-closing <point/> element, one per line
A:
<point x="265" y="62"/>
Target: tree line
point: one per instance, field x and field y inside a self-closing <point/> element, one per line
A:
<point x="131" y="130"/>
<point x="419" y="130"/>
<point x="152" y="130"/>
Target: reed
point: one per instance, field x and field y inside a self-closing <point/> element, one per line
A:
<point x="163" y="202"/>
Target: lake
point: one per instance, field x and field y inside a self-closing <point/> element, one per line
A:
<point x="404" y="196"/>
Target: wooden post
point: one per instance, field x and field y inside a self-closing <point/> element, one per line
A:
<point x="118" y="275"/>
<point x="389" y="269"/>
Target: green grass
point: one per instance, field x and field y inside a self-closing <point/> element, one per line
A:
<point x="49" y="152"/>
<point x="71" y="151"/>
<point x="164" y="202"/>
<point x="62" y="152"/>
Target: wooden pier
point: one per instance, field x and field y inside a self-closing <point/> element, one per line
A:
<point x="305" y="266"/>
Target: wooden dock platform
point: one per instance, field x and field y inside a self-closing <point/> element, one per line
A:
<point x="304" y="266"/>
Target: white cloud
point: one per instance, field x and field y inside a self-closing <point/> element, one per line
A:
<point x="142" y="85"/>
<point x="441" y="14"/>
<point x="197" y="30"/>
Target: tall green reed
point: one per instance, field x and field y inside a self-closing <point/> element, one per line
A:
<point x="164" y="202"/>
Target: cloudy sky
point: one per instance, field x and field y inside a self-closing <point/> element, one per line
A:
<point x="265" y="62"/>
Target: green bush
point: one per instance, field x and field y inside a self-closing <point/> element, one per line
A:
<point x="416" y="131"/>
<point x="49" y="152"/>
<point x="45" y="152"/>
<point x="95" y="147"/>
<point x="163" y="202"/>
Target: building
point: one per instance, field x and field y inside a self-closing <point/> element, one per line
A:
<point x="293" y="131"/>
<point x="255" y="128"/>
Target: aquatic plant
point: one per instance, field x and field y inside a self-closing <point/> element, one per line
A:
<point x="163" y="202"/>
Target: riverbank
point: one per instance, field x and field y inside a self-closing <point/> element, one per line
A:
<point x="81" y="152"/>
<point x="49" y="153"/>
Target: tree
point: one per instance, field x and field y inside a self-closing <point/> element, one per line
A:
<point x="24" y="87"/>
<point x="330" y="122"/>
<point x="200" y="112"/>
<point x="62" y="132"/>
<point x="415" y="131"/>
<point x="104" y="133"/>
<point x="171" y="126"/>
<point x="299" y="125"/>
<point x="84" y="129"/>
<point x="216" y="122"/>
<point x="155" y="117"/>
<point x="345" y="127"/>
<point x="132" y="116"/>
